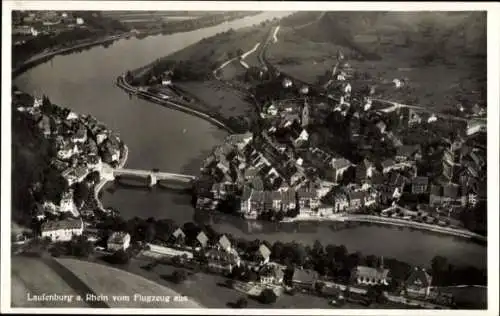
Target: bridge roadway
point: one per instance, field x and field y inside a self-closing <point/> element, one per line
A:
<point x="153" y="176"/>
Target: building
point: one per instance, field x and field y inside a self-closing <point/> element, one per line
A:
<point x="178" y="236"/>
<point x="271" y="274"/>
<point x="224" y="244"/>
<point x="381" y="126"/>
<point x="67" y="151"/>
<point x="408" y="152"/>
<point x="263" y="254"/>
<point x="202" y="239"/>
<point x="365" y="170"/>
<point x="220" y="261"/>
<point x="419" y="185"/>
<point x="340" y="201"/>
<point x="307" y="199"/>
<point x="475" y="127"/>
<point x="302" y="138"/>
<point x="418" y="284"/>
<point x="62" y="230"/>
<point x="363" y="275"/>
<point x="75" y="174"/>
<point x="304" y="278"/>
<point x="339" y="166"/>
<point x="388" y="165"/>
<point x="356" y="199"/>
<point x="450" y="194"/>
<point x="67" y="204"/>
<point x="118" y="241"/>
<point x="24" y="30"/>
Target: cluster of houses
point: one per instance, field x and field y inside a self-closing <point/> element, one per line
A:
<point x="80" y="144"/>
<point x="281" y="168"/>
<point x="31" y="24"/>
<point x="220" y="256"/>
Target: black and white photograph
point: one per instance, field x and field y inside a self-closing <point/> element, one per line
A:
<point x="200" y="157"/>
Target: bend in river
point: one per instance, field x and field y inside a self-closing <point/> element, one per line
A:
<point x="174" y="141"/>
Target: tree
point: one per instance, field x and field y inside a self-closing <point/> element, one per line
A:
<point x="150" y="232"/>
<point x="81" y="193"/>
<point x="241" y="303"/>
<point x="371" y="261"/>
<point x="81" y="247"/>
<point x="179" y="276"/>
<point x="267" y="296"/>
<point x="319" y="287"/>
<point x="317" y="250"/>
<point x="94" y="177"/>
<point x="120" y="257"/>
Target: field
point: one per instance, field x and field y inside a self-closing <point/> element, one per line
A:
<point x="222" y="47"/>
<point x="111" y="281"/>
<point x="219" y="98"/>
<point x="441" y="55"/>
<point x="32" y="276"/>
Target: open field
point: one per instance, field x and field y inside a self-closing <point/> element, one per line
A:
<point x="219" y="98"/>
<point x="441" y="55"/>
<point x="224" y="46"/>
<point x="32" y="276"/>
<point x="111" y="281"/>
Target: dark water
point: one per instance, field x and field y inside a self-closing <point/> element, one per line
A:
<point x="156" y="138"/>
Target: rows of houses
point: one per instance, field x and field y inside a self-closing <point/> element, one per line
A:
<point x="80" y="145"/>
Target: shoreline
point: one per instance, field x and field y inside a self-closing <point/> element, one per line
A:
<point x="40" y="58"/>
<point x="123" y="84"/>
<point x="105" y="180"/>
<point x="391" y="222"/>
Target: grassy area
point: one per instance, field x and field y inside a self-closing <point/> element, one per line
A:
<point x="442" y="55"/>
<point x="32" y="276"/>
<point x="233" y="71"/>
<point x="221" y="47"/>
<point x="111" y="281"/>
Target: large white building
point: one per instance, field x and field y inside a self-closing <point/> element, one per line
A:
<point x="63" y="230"/>
<point x="119" y="241"/>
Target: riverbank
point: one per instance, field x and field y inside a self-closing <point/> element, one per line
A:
<point x="389" y="221"/>
<point x="43" y="57"/>
<point x="106" y="177"/>
<point x="213" y="118"/>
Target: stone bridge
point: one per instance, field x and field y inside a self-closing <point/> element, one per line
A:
<point x="154" y="176"/>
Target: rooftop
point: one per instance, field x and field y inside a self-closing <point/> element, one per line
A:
<point x="70" y="223"/>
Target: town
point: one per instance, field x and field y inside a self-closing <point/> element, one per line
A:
<point x="337" y="151"/>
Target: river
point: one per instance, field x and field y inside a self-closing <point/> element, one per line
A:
<point x="173" y="141"/>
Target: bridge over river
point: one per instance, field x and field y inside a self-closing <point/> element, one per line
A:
<point x="153" y="177"/>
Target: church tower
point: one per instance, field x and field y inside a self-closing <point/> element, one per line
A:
<point x="305" y="117"/>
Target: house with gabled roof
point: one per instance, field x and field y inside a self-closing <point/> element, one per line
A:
<point x="408" y="152"/>
<point x="202" y="239"/>
<point x="224" y="243"/>
<point x="419" y="185"/>
<point x="263" y="254"/>
<point x="178" y="236"/>
<point x="418" y="284"/>
<point x="340" y="166"/>
<point x="363" y="275"/>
